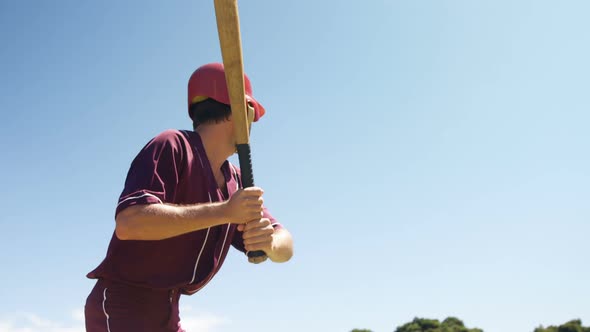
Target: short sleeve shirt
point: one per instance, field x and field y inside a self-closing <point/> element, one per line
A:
<point x="173" y="168"/>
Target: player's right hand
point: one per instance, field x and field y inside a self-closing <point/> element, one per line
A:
<point x="244" y="205"/>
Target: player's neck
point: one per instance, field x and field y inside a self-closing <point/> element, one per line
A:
<point x="216" y="145"/>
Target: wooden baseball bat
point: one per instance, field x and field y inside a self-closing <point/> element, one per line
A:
<point x="230" y="40"/>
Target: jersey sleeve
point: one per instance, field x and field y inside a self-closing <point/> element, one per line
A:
<point x="154" y="173"/>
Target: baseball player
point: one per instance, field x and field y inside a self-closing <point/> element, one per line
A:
<point x="179" y="212"/>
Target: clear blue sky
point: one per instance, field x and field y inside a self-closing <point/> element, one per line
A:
<point x="430" y="157"/>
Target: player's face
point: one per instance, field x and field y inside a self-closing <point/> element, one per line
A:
<point x="250" y="115"/>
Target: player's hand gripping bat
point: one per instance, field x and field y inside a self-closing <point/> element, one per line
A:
<point x="228" y="27"/>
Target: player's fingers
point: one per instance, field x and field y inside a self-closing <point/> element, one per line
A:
<point x="253" y="214"/>
<point x="255" y="227"/>
<point x="259" y="239"/>
<point x="263" y="245"/>
<point x="257" y="203"/>
<point x="253" y="192"/>
<point x="257" y="223"/>
<point x="252" y="199"/>
<point x="253" y="234"/>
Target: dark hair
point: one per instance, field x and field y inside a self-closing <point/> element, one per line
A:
<point x="209" y="111"/>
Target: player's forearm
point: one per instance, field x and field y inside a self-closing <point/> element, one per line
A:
<point x="162" y="221"/>
<point x="282" y="248"/>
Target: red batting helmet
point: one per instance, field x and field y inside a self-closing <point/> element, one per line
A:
<point x="208" y="81"/>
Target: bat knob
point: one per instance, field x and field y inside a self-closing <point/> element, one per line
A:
<point x="257" y="253"/>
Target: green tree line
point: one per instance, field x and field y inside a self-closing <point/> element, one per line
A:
<point x="452" y="324"/>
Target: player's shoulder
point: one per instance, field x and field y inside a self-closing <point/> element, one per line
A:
<point x="170" y="138"/>
<point x="169" y="134"/>
<point x="173" y="136"/>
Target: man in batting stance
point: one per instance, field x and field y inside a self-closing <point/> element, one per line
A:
<point x="179" y="212"/>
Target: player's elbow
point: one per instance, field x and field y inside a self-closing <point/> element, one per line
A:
<point x="284" y="250"/>
<point x="124" y="222"/>
<point x="122" y="229"/>
<point x="284" y="255"/>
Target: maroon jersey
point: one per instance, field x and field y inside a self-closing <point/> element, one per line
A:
<point x="173" y="168"/>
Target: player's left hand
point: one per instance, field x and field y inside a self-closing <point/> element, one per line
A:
<point x="257" y="235"/>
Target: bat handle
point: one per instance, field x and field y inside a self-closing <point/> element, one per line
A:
<point x="245" y="158"/>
